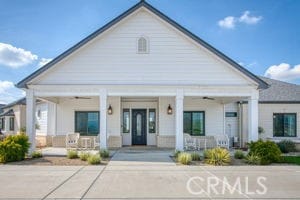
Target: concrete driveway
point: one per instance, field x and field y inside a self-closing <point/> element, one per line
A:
<point x="148" y="175"/>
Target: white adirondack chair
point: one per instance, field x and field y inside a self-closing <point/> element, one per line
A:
<point x="189" y="142"/>
<point x="97" y="141"/>
<point x="72" y="140"/>
<point x="222" y="140"/>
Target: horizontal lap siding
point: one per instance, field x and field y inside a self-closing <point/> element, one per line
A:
<point x="66" y="113"/>
<point x="112" y="57"/>
<point x="213" y="114"/>
<point x="265" y="118"/>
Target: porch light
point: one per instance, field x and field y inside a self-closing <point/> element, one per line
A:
<point x="170" y="110"/>
<point x="109" y="110"/>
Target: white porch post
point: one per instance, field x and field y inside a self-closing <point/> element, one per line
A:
<point x="252" y="119"/>
<point x="30" y="118"/>
<point x="103" y="121"/>
<point x="179" y="120"/>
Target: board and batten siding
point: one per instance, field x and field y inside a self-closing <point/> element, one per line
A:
<point x="265" y="118"/>
<point x="112" y="58"/>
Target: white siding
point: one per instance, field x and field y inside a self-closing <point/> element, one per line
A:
<point x="42" y="121"/>
<point x="266" y="118"/>
<point x="214" y="114"/>
<point x="231" y="124"/>
<point x="114" y="120"/>
<point x="113" y="59"/>
<point x="166" y="122"/>
<point x="66" y="114"/>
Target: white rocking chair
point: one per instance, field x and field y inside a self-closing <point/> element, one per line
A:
<point x="72" y="140"/>
<point x="222" y="141"/>
<point x="97" y="141"/>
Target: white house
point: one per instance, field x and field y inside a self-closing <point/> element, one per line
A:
<point x="142" y="79"/>
<point x="13" y="120"/>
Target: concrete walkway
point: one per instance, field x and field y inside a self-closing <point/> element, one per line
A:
<point x="146" y="175"/>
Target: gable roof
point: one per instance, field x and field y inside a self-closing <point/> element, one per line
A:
<point x="279" y="92"/>
<point x="21" y="101"/>
<point x="9" y="113"/>
<point x="142" y="3"/>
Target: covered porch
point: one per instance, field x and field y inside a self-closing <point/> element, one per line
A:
<point x="138" y="115"/>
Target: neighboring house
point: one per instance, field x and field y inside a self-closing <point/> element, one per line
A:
<point x="279" y="111"/>
<point x="142" y="79"/>
<point x="13" y="119"/>
<point x="1" y="106"/>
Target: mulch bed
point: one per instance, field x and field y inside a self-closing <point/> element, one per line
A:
<point x="55" y="160"/>
<point x="234" y="162"/>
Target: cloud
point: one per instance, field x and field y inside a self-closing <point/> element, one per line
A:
<point x="8" y="92"/>
<point x="15" y="57"/>
<point x="231" y="21"/>
<point x="5" y="85"/>
<point x="283" y="72"/>
<point x="246" y="18"/>
<point x="44" y="61"/>
<point x="227" y="22"/>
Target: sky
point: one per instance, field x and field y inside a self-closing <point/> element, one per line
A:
<point x="262" y="36"/>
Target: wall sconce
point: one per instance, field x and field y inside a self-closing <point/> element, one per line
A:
<point x="170" y="110"/>
<point x="109" y="110"/>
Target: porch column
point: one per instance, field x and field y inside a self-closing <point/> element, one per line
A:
<point x="103" y="131"/>
<point x="252" y="119"/>
<point x="179" y="120"/>
<point x="30" y="118"/>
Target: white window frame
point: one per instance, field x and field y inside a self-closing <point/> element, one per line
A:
<point x="147" y="45"/>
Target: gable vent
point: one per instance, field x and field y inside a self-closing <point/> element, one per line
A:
<point x="142" y="45"/>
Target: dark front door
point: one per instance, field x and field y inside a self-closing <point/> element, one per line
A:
<point x="139" y="127"/>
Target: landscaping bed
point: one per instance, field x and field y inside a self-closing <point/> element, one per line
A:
<point x="55" y="160"/>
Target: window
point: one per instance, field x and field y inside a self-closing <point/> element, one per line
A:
<point x="2" y="123"/>
<point x="284" y="124"/>
<point x="126" y="120"/>
<point x="194" y="122"/>
<point x="142" y="46"/>
<point x="152" y="121"/>
<point x="39" y="113"/>
<point x="11" y="123"/>
<point x="87" y="122"/>
<point x="231" y="114"/>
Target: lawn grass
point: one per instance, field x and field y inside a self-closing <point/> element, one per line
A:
<point x="291" y="159"/>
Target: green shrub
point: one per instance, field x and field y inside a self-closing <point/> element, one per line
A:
<point x="14" y="148"/>
<point x="104" y="153"/>
<point x="94" y="159"/>
<point x="253" y="159"/>
<point x="84" y="156"/>
<point x="36" y="154"/>
<point x="72" y="154"/>
<point x="176" y="153"/>
<point x="184" y="158"/>
<point x="291" y="159"/>
<point x="286" y="146"/>
<point x="195" y="156"/>
<point x="205" y="154"/>
<point x="218" y="156"/>
<point x="239" y="154"/>
<point x="268" y="151"/>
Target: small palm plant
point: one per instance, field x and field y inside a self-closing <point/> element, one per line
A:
<point x="218" y="156"/>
